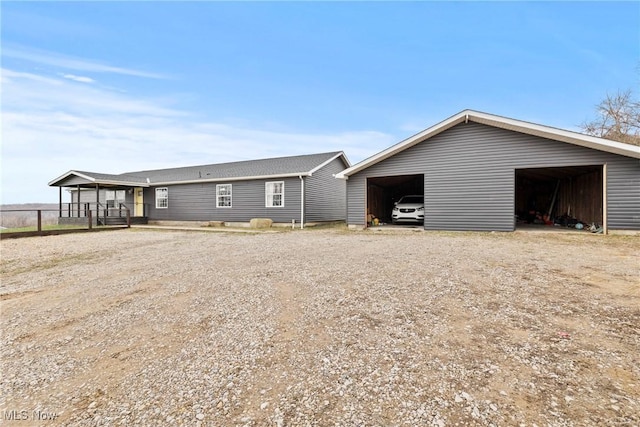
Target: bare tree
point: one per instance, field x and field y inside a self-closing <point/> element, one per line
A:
<point x="618" y="119"/>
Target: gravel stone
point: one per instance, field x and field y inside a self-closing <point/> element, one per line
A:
<point x="322" y="327"/>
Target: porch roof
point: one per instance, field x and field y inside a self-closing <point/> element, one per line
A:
<point x="91" y="179"/>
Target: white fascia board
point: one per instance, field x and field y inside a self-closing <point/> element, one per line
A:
<point x="115" y="183"/>
<point x="403" y="145"/>
<point x="239" y="178"/>
<point x="81" y="175"/>
<point x="340" y="154"/>
<point x="127" y="183"/>
<point x="99" y="181"/>
<point x="548" y="132"/>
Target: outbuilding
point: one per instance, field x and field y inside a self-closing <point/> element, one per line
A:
<point x="479" y="171"/>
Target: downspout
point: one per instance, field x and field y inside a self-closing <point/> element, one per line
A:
<point x="301" y="202"/>
<point x="605" y="213"/>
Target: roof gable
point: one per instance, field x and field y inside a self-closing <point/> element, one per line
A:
<point x="90" y="178"/>
<point x="503" y="123"/>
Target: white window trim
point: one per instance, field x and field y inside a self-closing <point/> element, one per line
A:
<point x="114" y="197"/>
<point x="218" y="196"/>
<point x="266" y="194"/>
<point x="158" y="199"/>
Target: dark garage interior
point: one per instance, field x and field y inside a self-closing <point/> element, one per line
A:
<point x="562" y="196"/>
<point x="382" y="192"/>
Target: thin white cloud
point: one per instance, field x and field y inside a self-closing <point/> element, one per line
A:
<point x="80" y="79"/>
<point x="71" y="63"/>
<point x="28" y="91"/>
<point x="53" y="125"/>
<point x="9" y="75"/>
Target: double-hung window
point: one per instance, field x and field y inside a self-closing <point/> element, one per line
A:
<point x="274" y="194"/>
<point x="114" y="198"/>
<point x="223" y="195"/>
<point x="162" y="198"/>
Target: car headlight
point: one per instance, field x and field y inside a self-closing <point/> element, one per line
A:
<point x="420" y="209"/>
<point x="395" y="209"/>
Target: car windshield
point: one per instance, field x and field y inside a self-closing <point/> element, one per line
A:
<point x="412" y="199"/>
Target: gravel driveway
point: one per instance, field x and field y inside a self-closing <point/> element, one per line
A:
<point x="321" y="327"/>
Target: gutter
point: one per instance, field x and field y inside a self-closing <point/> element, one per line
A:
<point x="232" y="179"/>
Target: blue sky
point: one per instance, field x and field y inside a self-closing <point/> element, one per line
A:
<point x="123" y="86"/>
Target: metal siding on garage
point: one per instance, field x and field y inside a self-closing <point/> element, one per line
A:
<point x="356" y="199"/>
<point x="325" y="196"/>
<point x="197" y="202"/>
<point x="623" y="193"/>
<point x="469" y="175"/>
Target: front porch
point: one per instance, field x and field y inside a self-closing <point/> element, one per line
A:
<point x="101" y="199"/>
<point x="110" y="217"/>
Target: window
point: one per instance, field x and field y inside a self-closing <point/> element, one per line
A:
<point x="114" y="198"/>
<point x="274" y="194"/>
<point x="223" y="195"/>
<point x="162" y="198"/>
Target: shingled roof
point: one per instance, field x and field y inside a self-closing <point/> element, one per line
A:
<point x="279" y="167"/>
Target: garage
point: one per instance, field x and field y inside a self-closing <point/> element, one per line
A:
<point x="483" y="172"/>
<point x="383" y="192"/>
<point x="562" y="196"/>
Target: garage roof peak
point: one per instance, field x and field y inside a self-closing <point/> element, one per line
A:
<point x="497" y="121"/>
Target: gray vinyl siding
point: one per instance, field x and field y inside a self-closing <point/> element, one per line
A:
<point x="73" y="180"/>
<point x="356" y="200"/>
<point x="325" y="196"/>
<point x="623" y="194"/>
<point x="197" y="202"/>
<point x="469" y="177"/>
<point x="89" y="196"/>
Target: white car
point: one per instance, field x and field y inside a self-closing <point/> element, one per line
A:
<point x="408" y="209"/>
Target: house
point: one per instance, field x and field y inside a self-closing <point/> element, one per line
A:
<point x="479" y="171"/>
<point x="300" y="189"/>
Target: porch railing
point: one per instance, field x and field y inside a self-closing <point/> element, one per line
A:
<point x="32" y="222"/>
<point x="81" y="210"/>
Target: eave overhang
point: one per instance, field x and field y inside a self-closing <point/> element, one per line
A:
<point x="95" y="181"/>
<point x="465" y="116"/>
<point x="230" y="179"/>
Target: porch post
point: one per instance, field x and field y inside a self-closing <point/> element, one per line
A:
<point x="78" y="200"/>
<point x="59" y="202"/>
<point x="97" y="202"/>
